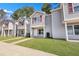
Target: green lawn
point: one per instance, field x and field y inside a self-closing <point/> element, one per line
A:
<point x="58" y="47"/>
<point x="10" y="41"/>
<point x="6" y="37"/>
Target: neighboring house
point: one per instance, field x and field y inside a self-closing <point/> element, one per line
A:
<point x="6" y="28"/>
<point x="40" y="24"/>
<point x="71" y="20"/>
<point x="22" y="27"/>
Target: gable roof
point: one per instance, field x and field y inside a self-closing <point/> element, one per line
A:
<point x="37" y="12"/>
<point x="59" y="8"/>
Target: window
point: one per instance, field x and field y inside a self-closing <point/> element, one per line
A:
<point x="76" y="28"/>
<point x="33" y="20"/>
<point x="40" y="18"/>
<point x="70" y="30"/>
<point x="76" y="8"/>
<point x="22" y="32"/>
<point x="21" y="23"/>
<point x="40" y="31"/>
<point x="70" y="8"/>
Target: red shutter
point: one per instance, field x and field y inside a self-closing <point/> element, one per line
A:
<point x="32" y="20"/>
<point x="40" y="18"/>
<point x="70" y="8"/>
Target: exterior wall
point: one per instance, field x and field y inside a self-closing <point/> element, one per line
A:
<point x="58" y="28"/>
<point x="48" y="24"/>
<point x="70" y="16"/>
<point x="28" y="26"/>
<point x="10" y="25"/>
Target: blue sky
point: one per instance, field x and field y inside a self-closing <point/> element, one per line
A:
<point x="11" y="7"/>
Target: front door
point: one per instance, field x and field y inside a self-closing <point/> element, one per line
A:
<point x="35" y="32"/>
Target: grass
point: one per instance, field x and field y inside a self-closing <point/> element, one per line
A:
<point x="6" y="37"/>
<point x="58" y="47"/>
<point x="10" y="41"/>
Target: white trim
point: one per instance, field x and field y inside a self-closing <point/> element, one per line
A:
<point x="63" y="12"/>
<point x="66" y="31"/>
<point x="2" y="32"/>
<point x="31" y="27"/>
<point x="8" y="29"/>
<point x="44" y="27"/>
<point x="36" y="12"/>
<point x="73" y="7"/>
<point x="73" y="30"/>
<point x="25" y="28"/>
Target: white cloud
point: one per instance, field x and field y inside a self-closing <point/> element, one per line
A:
<point x="8" y="11"/>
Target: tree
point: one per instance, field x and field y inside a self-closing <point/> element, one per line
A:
<point x="26" y="11"/>
<point x="46" y="8"/>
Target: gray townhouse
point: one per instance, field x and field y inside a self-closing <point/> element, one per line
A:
<point x="65" y="21"/>
<point x="40" y="25"/>
<point x="62" y="23"/>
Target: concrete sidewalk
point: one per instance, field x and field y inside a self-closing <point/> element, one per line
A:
<point x="12" y="39"/>
<point x="19" y="41"/>
<point x="7" y="49"/>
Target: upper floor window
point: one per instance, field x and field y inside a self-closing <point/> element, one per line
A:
<point x="40" y="18"/>
<point x="76" y="9"/>
<point x="70" y="8"/>
<point x="21" y="23"/>
<point x="34" y="20"/>
<point x="37" y="20"/>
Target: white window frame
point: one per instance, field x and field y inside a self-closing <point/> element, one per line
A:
<point x="74" y="29"/>
<point x="73" y="8"/>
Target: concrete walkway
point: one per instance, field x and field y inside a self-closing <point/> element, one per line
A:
<point x="7" y="49"/>
<point x="22" y="40"/>
<point x="73" y="40"/>
<point x="13" y="38"/>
